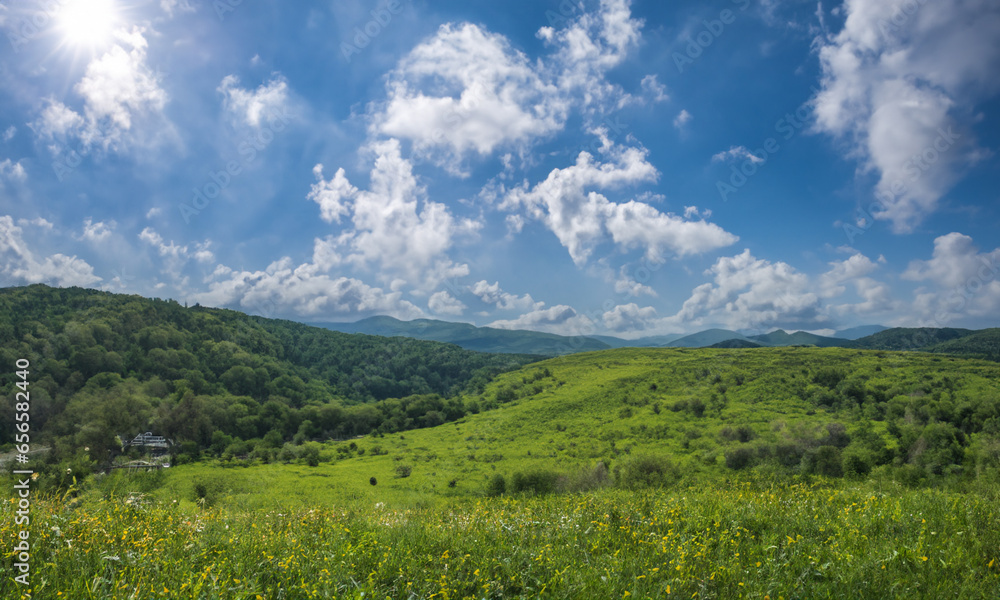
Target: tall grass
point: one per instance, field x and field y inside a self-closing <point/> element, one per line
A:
<point x="739" y="540"/>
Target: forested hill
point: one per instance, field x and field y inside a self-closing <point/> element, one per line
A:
<point x="117" y="364"/>
<point x="982" y="344"/>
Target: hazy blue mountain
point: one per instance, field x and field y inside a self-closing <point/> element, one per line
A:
<point x="653" y="341"/>
<point x="799" y="338"/>
<point x="853" y="333"/>
<point x="489" y="339"/>
<point x="706" y="338"/>
<point x="470" y="337"/>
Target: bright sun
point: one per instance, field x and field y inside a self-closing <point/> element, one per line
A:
<point x="88" y="23"/>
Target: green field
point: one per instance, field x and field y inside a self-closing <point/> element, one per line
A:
<point x="646" y="473"/>
<point x="703" y="411"/>
<point x="721" y="541"/>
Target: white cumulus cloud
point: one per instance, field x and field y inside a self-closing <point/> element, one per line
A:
<point x="302" y="291"/>
<point x="443" y="303"/>
<point x="96" y="232"/>
<point x="629" y="317"/>
<point x="899" y="81"/>
<point x="466" y="91"/>
<point x="22" y="265"/>
<point x="394" y="225"/>
<point x="561" y="320"/>
<point x="252" y="107"/>
<point x="960" y="282"/>
<point x="118" y="90"/>
<point x="492" y="293"/>
<point x="581" y="217"/>
<point x="750" y="293"/>
<point x="12" y="171"/>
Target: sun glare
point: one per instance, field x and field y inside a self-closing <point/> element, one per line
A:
<point x="88" y="23"/>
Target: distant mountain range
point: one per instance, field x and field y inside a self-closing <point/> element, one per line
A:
<point x="470" y="337"/>
<point x="854" y="333"/>
<point x="653" y="341"/>
<point x="799" y="338"/>
<point x="983" y="343"/>
<point x="723" y="338"/>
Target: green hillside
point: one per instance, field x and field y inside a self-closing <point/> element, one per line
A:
<point x="909" y="338"/>
<point x="984" y="343"/>
<point x="470" y="337"/>
<point x="105" y="364"/>
<point x="666" y="415"/>
<point x="736" y="343"/>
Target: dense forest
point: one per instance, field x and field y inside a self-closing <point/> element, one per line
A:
<point x="106" y="365"/>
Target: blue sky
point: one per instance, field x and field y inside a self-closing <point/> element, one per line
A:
<point x="603" y="166"/>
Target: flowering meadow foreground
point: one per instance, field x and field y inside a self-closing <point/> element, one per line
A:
<point x="739" y="540"/>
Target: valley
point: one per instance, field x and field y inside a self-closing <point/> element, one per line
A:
<point x="758" y="472"/>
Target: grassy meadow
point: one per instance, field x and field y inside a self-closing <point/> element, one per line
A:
<point x="633" y="473"/>
<point x="737" y="540"/>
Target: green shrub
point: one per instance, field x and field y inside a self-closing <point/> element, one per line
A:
<point x="697" y="407"/>
<point x="206" y="492"/>
<point x="856" y="465"/>
<point x="536" y="481"/>
<point x="309" y="452"/>
<point x="828" y="377"/>
<point x="825" y="460"/>
<point x="587" y="479"/>
<point x="910" y="475"/>
<point x="287" y="453"/>
<point x="789" y="455"/>
<point x="743" y="433"/>
<point x="646" y="470"/>
<point x="740" y="458"/>
<point x="505" y="395"/>
<point x="836" y="435"/>
<point x="497" y="485"/>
